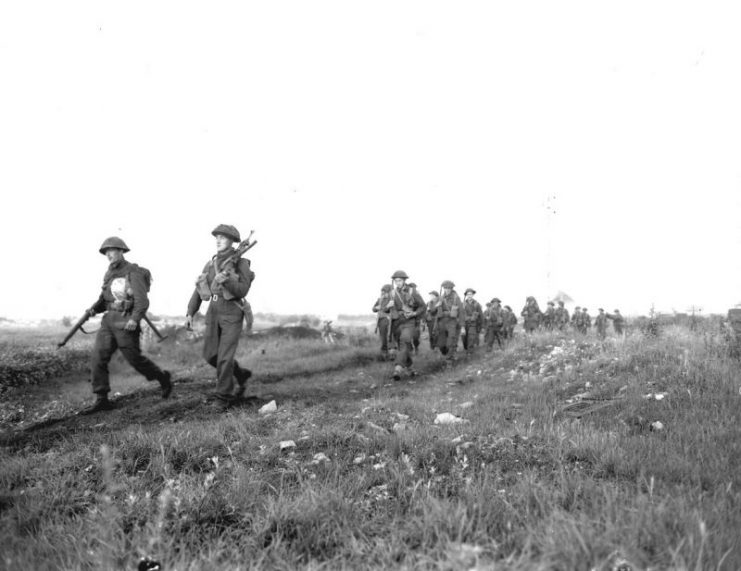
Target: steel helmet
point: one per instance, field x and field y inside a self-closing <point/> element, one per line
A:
<point x="400" y="274"/>
<point x="113" y="242"/>
<point x="227" y="230"/>
<point x="448" y="284"/>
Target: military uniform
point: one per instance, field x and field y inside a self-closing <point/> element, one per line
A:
<point x="450" y="316"/>
<point x="408" y="308"/>
<point x="224" y="317"/>
<point x="494" y="323"/>
<point x="561" y="316"/>
<point x="473" y="321"/>
<point x="417" y="323"/>
<point x="531" y="315"/>
<point x="600" y="323"/>
<point x="618" y="321"/>
<point x="383" y="318"/>
<point x="549" y="317"/>
<point x="509" y="322"/>
<point x="576" y="318"/>
<point x="431" y="319"/>
<point x="585" y="321"/>
<point x="123" y="298"/>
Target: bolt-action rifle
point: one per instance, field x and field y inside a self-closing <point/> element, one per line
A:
<point x="75" y="328"/>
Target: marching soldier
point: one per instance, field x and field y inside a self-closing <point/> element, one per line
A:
<point x="418" y="324"/>
<point x="224" y="285"/>
<point x="600" y="323"/>
<point x="125" y="302"/>
<point x="431" y="318"/>
<point x="450" y="315"/>
<point x="618" y="321"/>
<point x="406" y="307"/>
<point x="549" y="317"/>
<point x="561" y="316"/>
<point x="509" y="322"/>
<point x="383" y="319"/>
<point x="473" y="320"/>
<point x="494" y="321"/>
<point x="576" y="318"/>
<point x="585" y="322"/>
<point x="531" y="314"/>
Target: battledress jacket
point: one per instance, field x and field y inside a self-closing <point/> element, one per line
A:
<point x="125" y="277"/>
<point x="237" y="284"/>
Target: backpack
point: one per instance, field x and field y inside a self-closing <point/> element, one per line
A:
<point x="145" y="273"/>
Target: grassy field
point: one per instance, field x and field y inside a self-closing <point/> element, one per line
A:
<point x="567" y="454"/>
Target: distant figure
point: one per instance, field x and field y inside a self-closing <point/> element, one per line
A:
<point x="450" y="316"/>
<point x="494" y="324"/>
<point x="224" y="283"/>
<point x="531" y="315"/>
<point x="600" y="323"/>
<point x="561" y="316"/>
<point x="383" y="319"/>
<point x="509" y="320"/>
<point x="407" y="307"/>
<point x="125" y="302"/>
<point x="549" y="317"/>
<point x="431" y="318"/>
<point x="328" y="333"/>
<point x="473" y="321"/>
<point x="585" y="321"/>
<point x="576" y="318"/>
<point x="418" y="322"/>
<point x="618" y="321"/>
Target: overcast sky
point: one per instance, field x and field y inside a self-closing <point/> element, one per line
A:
<point x="519" y="148"/>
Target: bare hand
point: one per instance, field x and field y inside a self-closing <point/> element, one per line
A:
<point x="221" y="277"/>
<point x="390" y="304"/>
<point x="90" y="312"/>
<point x="131" y="325"/>
<point x="189" y="322"/>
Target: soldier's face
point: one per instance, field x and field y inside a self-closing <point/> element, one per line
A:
<point x="223" y="243"/>
<point x="398" y="283"/>
<point x="114" y="255"/>
<point x="447" y="290"/>
<point x="469" y="296"/>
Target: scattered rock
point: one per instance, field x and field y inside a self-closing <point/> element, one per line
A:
<point x="657" y="425"/>
<point x="319" y="457"/>
<point x="272" y="406"/>
<point x="467" y="404"/>
<point x="374" y="426"/>
<point x="402" y="417"/>
<point x="359" y="459"/>
<point x="287" y="444"/>
<point x="448" y="418"/>
<point x="399" y="427"/>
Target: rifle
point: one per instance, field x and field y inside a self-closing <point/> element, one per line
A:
<point x="77" y="326"/>
<point x="244" y="245"/>
<point x="156" y="332"/>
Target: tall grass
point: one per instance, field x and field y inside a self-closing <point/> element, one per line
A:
<point x="520" y="485"/>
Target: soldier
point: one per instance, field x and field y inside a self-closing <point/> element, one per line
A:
<point x="531" y="314"/>
<point x="585" y="321"/>
<point x="328" y="332"/>
<point x="576" y="318"/>
<point x="125" y="302"/>
<point x="473" y="320"/>
<point x="509" y="322"/>
<point x="418" y="324"/>
<point x="431" y="318"/>
<point x="494" y="322"/>
<point x="549" y="317"/>
<point x="561" y="316"/>
<point x="600" y="323"/>
<point x="383" y="319"/>
<point x="406" y="307"/>
<point x="225" y="285"/>
<point x="450" y="316"/>
<point x="618" y="321"/>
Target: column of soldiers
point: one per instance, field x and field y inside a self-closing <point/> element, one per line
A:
<point x="449" y="318"/>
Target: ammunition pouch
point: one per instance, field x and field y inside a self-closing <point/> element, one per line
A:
<point x="124" y="306"/>
<point x="202" y="287"/>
